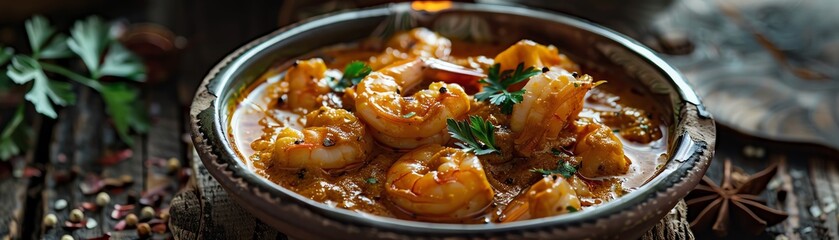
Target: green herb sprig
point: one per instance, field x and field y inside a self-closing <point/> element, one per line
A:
<point x="353" y="73"/>
<point x="563" y="168"/>
<point x="497" y="83"/>
<point x="475" y="134"/>
<point x="89" y="40"/>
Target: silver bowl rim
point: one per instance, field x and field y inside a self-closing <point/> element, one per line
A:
<point x="208" y="123"/>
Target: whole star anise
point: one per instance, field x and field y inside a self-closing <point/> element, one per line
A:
<point x="720" y="207"/>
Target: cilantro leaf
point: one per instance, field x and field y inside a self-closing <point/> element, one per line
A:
<point x="44" y="92"/>
<point x="120" y="62"/>
<point x="497" y="83"/>
<point x="475" y="135"/>
<point x="563" y="168"/>
<point x="122" y="105"/>
<point x="14" y="136"/>
<point x="43" y="40"/>
<point x="353" y="73"/>
<point x="89" y="38"/>
<point x="372" y="180"/>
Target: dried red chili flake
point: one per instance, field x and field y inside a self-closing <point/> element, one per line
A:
<point x="184" y="175"/>
<point x="31" y="172"/>
<point x="92" y="184"/>
<point x="159" y="228"/>
<point x="121" y="210"/>
<point x="154" y="196"/>
<point x="124" y="207"/>
<point x="73" y="226"/>
<point x="114" y="157"/>
<point x="89" y="206"/>
<point x="62" y="175"/>
<point x="120" y="225"/>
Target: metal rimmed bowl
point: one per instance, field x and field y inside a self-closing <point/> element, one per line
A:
<point x="691" y="146"/>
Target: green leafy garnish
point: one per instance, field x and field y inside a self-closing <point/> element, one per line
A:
<point x="102" y="56"/>
<point x="372" y="180"/>
<point x="571" y="209"/>
<point x="563" y="168"/>
<point x="353" y="73"/>
<point x="496" y="84"/>
<point x="475" y="135"/>
<point x="409" y="115"/>
<point x="43" y="40"/>
<point x="14" y="136"/>
<point x="44" y="92"/>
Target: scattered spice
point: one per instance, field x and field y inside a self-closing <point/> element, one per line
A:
<point x="60" y="204"/>
<point x="164" y="216"/>
<point x="143" y="229"/>
<point x="443" y="90"/>
<point x="131" y="220"/>
<point x="545" y="69"/>
<point x="173" y="165"/>
<point x="159" y="228"/>
<point x="50" y="220"/>
<point x="147" y="213"/>
<point x="121" y="210"/>
<point x="89" y="206"/>
<point x="103" y="199"/>
<point x="712" y="205"/>
<point x="301" y="174"/>
<point x="154" y="196"/>
<point x="76" y="216"/>
<point x="91" y="223"/>
<point x="114" y="157"/>
<point x="72" y="226"/>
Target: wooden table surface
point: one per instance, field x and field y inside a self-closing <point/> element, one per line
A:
<point x="67" y="150"/>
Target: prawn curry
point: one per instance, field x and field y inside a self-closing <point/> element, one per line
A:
<point x="425" y="128"/>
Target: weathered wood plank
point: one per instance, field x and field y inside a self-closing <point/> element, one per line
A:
<point x="14" y="185"/>
<point x="89" y="143"/>
<point x="811" y="226"/>
<point x="825" y="207"/>
<point x="58" y="172"/>
<point x="13" y="200"/>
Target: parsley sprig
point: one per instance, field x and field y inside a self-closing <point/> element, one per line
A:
<point x="89" y="40"/>
<point x="563" y="168"/>
<point x="497" y="82"/>
<point x="353" y="73"/>
<point x="475" y="134"/>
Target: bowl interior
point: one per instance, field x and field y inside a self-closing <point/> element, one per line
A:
<point x="585" y="43"/>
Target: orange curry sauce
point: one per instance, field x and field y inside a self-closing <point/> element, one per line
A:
<point x="631" y="113"/>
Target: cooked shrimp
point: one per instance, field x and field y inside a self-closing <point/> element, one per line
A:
<point x="551" y="100"/>
<point x="406" y="122"/>
<point x="306" y="83"/>
<point x="437" y="183"/>
<point x="550" y="196"/>
<point x="601" y="151"/>
<point x="419" y="42"/>
<point x="332" y="139"/>
<point x="533" y="54"/>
